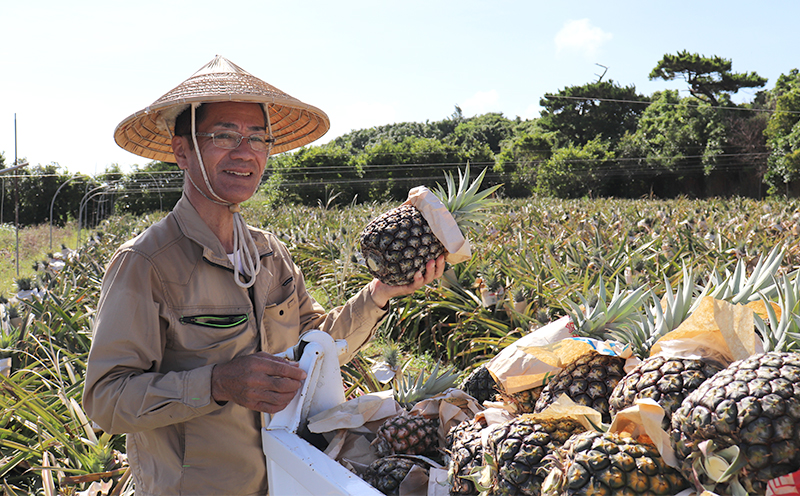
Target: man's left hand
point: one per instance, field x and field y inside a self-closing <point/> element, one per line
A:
<point x="382" y="293"/>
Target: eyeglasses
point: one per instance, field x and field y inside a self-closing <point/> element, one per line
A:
<point x="230" y="140"/>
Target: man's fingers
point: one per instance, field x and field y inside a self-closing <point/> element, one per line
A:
<point x="278" y="367"/>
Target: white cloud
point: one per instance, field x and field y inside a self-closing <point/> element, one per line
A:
<point x="480" y="103"/>
<point x="579" y="36"/>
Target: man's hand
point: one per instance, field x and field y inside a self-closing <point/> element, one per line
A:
<point x="382" y="293"/>
<point x="259" y="382"/>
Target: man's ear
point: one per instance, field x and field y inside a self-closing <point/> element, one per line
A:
<point x="181" y="149"/>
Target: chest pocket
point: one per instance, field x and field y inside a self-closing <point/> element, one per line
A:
<point x="281" y="323"/>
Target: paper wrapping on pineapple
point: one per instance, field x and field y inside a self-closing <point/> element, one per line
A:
<point x="719" y="326"/>
<point x="442" y="223"/>
<point x="437" y="482"/>
<point x="517" y="370"/>
<point x="415" y="483"/>
<point x="644" y="417"/>
<point x="760" y="309"/>
<point x="353" y="424"/>
<point x="451" y="408"/>
<point x="561" y="353"/>
<point x="563" y="406"/>
<point x="355" y="413"/>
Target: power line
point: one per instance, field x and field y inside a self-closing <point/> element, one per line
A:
<point x="690" y="105"/>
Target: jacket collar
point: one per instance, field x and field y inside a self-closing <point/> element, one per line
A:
<point x="194" y="227"/>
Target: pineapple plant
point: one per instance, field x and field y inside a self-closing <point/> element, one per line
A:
<point x="597" y="463"/>
<point x="667" y="380"/>
<point x="399" y="243"/>
<point x="518" y="452"/>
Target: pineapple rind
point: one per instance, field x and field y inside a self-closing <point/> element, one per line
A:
<point x="754" y="405"/>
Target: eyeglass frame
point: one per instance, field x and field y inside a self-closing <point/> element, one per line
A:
<point x="268" y="142"/>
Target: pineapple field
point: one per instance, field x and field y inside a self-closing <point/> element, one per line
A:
<point x="621" y="273"/>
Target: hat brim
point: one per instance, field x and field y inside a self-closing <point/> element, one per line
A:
<point x="148" y="133"/>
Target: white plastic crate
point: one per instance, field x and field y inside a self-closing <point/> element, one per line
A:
<point x="294" y="466"/>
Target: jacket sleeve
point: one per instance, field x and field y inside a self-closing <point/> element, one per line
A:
<point x="123" y="390"/>
<point x="356" y="321"/>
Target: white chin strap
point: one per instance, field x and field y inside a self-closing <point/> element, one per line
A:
<point x="245" y="252"/>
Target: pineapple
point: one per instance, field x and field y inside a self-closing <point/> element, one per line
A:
<point x="747" y="415"/>
<point x="465" y="452"/>
<point x="591" y="378"/>
<point x="399" y="243"/>
<point x="588" y="381"/>
<point x="665" y="380"/>
<point x="386" y="474"/>
<point x="407" y="434"/>
<point x="522" y="401"/>
<point x="413" y="434"/>
<point x="596" y="463"/>
<point x="519" y="449"/>
<point x="480" y="384"/>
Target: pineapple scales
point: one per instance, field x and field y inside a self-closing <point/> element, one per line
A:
<point x="399" y="243"/>
<point x="748" y="415"/>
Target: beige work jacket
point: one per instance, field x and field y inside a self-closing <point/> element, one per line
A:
<point x="169" y="311"/>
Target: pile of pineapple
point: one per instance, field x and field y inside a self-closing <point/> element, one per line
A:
<point x="731" y="427"/>
<point x="726" y="424"/>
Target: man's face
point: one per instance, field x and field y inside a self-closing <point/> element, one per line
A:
<point x="234" y="174"/>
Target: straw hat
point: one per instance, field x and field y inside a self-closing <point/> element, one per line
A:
<point x="148" y="133"/>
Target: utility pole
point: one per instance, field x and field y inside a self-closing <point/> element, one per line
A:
<point x="16" y="194"/>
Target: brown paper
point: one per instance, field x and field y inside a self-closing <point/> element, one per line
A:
<point x="442" y="223"/>
<point x="355" y="413"/>
<point x="760" y="309"/>
<point x="415" y="483"/>
<point x="720" y="326"/>
<point x="644" y="417"/>
<point x="437" y="482"/>
<point x="565" y="407"/>
<point x="353" y="446"/>
<point x="516" y="370"/>
<point x="451" y="408"/>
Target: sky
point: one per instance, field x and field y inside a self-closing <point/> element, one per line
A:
<point x="74" y="70"/>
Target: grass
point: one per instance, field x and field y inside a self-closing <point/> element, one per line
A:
<point x="34" y="246"/>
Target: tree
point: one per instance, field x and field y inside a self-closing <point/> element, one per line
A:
<point x="575" y="171"/>
<point x="520" y="157"/>
<point x="579" y="114"/>
<point x="783" y="138"/>
<point x="680" y="139"/>
<point x="708" y="77"/>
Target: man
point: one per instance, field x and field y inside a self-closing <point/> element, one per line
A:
<point x="192" y="310"/>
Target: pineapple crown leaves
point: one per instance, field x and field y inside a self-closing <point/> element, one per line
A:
<point x="663" y="316"/>
<point x="607" y="317"/>
<point x="783" y="334"/>
<point x="464" y="202"/>
<point x="408" y="391"/>
<point x="738" y="288"/>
